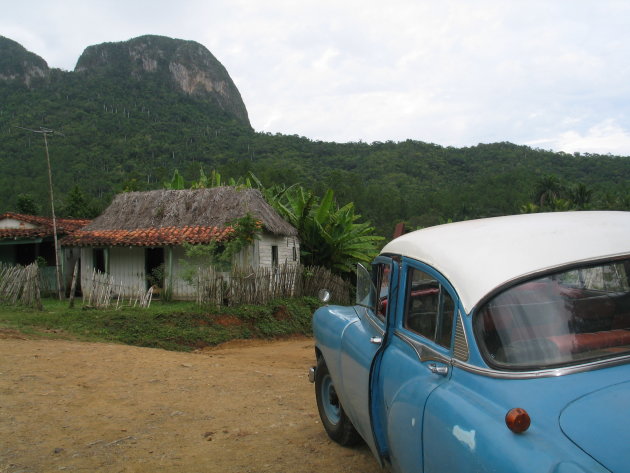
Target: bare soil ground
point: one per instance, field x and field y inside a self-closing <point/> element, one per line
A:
<point x="242" y="407"/>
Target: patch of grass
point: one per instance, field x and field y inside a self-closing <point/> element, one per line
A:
<point x="280" y="317"/>
<point x="177" y="326"/>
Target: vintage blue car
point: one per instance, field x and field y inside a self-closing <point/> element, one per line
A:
<point x="493" y="345"/>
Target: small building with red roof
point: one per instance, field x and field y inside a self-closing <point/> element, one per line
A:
<point x="25" y="239"/>
<point x="143" y="231"/>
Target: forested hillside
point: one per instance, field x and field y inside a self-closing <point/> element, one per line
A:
<point x="127" y="126"/>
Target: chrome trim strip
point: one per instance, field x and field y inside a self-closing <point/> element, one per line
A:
<point x="548" y="373"/>
<point x="412" y="343"/>
<point x="373" y="322"/>
<point x="424" y="352"/>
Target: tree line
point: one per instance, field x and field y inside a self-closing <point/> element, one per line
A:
<point x="125" y="135"/>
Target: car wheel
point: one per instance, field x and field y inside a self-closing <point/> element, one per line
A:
<point x="337" y="425"/>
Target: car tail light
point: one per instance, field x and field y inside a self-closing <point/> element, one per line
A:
<point x="517" y="420"/>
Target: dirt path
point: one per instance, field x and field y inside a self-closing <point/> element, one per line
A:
<point x="244" y="407"/>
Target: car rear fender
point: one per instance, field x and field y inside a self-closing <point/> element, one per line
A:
<point x="465" y="430"/>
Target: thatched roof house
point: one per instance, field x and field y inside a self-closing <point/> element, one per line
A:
<point x="141" y="232"/>
<point x="170" y="217"/>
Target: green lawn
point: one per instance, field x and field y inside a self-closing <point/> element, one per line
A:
<point x="181" y="326"/>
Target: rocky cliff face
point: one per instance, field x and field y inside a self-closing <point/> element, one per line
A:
<point x="18" y="64"/>
<point x="187" y="65"/>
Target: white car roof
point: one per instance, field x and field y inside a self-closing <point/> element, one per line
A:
<point x="478" y="256"/>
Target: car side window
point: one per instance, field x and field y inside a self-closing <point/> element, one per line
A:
<point x="429" y="308"/>
<point x="382" y="272"/>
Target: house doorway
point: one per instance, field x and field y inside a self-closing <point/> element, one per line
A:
<point x="154" y="268"/>
<point x="98" y="258"/>
<point x="25" y="254"/>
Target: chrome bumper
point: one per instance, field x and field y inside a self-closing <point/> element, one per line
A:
<point x="311" y="374"/>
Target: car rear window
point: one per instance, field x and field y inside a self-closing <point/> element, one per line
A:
<point x="564" y="318"/>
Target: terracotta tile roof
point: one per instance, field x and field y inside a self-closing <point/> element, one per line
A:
<point x="147" y="236"/>
<point x="43" y="226"/>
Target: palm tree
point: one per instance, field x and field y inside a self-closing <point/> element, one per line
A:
<point x="581" y="196"/>
<point x="548" y="189"/>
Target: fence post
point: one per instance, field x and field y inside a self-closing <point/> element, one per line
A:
<point x="73" y="287"/>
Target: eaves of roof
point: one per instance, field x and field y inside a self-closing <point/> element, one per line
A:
<point x="44" y="226"/>
<point x="151" y="237"/>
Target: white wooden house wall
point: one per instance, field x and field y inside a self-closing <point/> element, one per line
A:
<point x="288" y="250"/>
<point x="127" y="264"/>
<point x="69" y="257"/>
<point x="181" y="289"/>
<point x="124" y="264"/>
<point x="87" y="265"/>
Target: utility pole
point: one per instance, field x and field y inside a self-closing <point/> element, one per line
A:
<point x="45" y="132"/>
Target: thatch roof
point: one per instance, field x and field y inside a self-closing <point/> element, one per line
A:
<point x="166" y="217"/>
<point x="34" y="226"/>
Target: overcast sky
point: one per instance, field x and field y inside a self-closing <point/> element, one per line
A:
<point x="552" y="74"/>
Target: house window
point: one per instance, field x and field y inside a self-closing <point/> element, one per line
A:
<point x="98" y="258"/>
<point x="274" y="256"/>
<point x="294" y="253"/>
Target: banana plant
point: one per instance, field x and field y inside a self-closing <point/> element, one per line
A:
<point x="177" y="182"/>
<point x="330" y="236"/>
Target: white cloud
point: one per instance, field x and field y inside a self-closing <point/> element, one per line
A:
<point x="602" y="138"/>
<point x="453" y="72"/>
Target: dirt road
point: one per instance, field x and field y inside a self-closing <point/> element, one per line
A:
<point x="243" y="407"/>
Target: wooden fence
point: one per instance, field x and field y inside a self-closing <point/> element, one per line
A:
<point x="20" y="285"/>
<point x="240" y="286"/>
<point x="260" y="285"/>
<point x="102" y="292"/>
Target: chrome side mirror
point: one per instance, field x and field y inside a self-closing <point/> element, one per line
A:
<point x="324" y="295"/>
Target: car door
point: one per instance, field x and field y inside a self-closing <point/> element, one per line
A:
<point x="361" y="343"/>
<point x="413" y="362"/>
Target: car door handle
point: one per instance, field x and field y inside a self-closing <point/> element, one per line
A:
<point x="438" y="369"/>
<point x="376" y="340"/>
